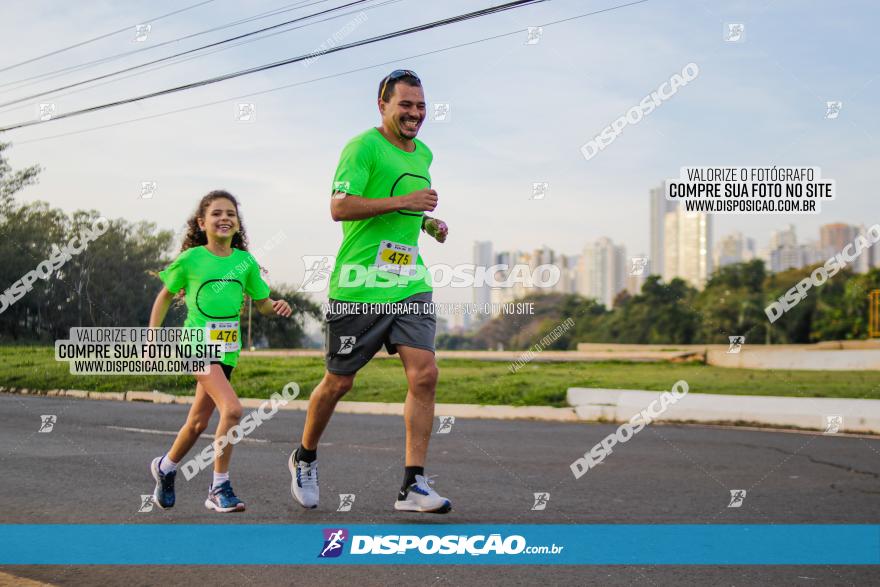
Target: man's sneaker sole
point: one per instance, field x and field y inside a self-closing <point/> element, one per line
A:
<point x="408" y="506"/>
<point x="292" y="468"/>
<point x="213" y="506"/>
<point x="154" y="470"/>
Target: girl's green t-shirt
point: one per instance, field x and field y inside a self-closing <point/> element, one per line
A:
<point x="215" y="288"/>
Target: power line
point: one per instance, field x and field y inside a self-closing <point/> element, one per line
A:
<point x="182" y="53"/>
<point x="59" y="72"/>
<point x="216" y="79"/>
<point x="217" y="50"/>
<point x="99" y="37"/>
<point x="322" y="78"/>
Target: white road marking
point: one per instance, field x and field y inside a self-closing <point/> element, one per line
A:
<point x="173" y="433"/>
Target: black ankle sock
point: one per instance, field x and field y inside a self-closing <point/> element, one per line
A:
<point x="304" y="454"/>
<point x="409" y="477"/>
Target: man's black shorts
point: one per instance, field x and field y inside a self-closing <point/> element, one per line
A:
<point x="356" y="331"/>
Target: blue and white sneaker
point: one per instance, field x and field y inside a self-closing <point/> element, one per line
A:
<point x="303" y="481"/>
<point x="163" y="495"/>
<point x="421" y="497"/>
<point x="222" y="499"/>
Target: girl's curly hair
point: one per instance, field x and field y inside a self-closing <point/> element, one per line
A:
<point x="196" y="237"/>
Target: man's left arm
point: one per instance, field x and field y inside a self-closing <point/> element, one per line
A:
<point x="435" y="228"/>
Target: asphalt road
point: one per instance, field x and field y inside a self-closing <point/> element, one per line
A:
<point x="93" y="468"/>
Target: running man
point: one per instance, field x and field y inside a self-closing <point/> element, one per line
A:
<point x="381" y="192"/>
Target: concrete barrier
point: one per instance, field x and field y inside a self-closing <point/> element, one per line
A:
<point x="768" y="357"/>
<point x="619" y="405"/>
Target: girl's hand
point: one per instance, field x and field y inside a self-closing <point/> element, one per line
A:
<point x="282" y="308"/>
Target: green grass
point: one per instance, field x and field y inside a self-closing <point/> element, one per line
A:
<point x="461" y="381"/>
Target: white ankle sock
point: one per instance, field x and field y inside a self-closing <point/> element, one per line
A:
<point x="219" y="479"/>
<point x="166" y="465"/>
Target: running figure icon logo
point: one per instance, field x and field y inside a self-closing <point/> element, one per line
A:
<point x="734" y="32"/>
<point x="47" y="422"/>
<point x="318" y="272"/>
<point x="540" y="189"/>
<point x="833" y="424"/>
<point x="47" y="110"/>
<point x="346" y="500"/>
<point x="446" y="423"/>
<point x="146" y="504"/>
<point x="639" y="264"/>
<point x="534" y="34"/>
<point x="541" y="500"/>
<point x="334" y="541"/>
<point x="736" y="343"/>
<point x="141" y="31"/>
<point x="148" y="189"/>
<point x="832" y="109"/>
<point x="737" y="497"/>
<point x="346" y="345"/>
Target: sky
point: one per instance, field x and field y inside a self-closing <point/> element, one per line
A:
<point x="519" y="114"/>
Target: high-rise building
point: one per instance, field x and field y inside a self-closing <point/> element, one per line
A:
<point x="733" y="248"/>
<point x="483" y="258"/>
<point x="660" y="206"/>
<point x="833" y="237"/>
<point x="787" y="237"/>
<point x="688" y="245"/>
<point x="603" y="271"/>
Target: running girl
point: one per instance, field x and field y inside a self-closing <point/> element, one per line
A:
<point x="215" y="271"/>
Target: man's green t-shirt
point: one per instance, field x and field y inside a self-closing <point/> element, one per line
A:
<point x="378" y="260"/>
<point x="215" y="288"/>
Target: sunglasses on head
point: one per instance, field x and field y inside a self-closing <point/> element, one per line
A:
<point x="395" y="75"/>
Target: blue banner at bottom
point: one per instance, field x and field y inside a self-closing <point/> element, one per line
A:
<point x="522" y="544"/>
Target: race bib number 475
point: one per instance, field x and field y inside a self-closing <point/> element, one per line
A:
<point x="224" y="332"/>
<point x="396" y="258"/>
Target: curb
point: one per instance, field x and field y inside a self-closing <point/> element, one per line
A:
<point x="809" y="413"/>
<point x="544" y="413"/>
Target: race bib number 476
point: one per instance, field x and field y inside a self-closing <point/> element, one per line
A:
<point x="225" y="333"/>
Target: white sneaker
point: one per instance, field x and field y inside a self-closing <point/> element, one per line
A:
<point x="421" y="497"/>
<point x="304" y="481"/>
